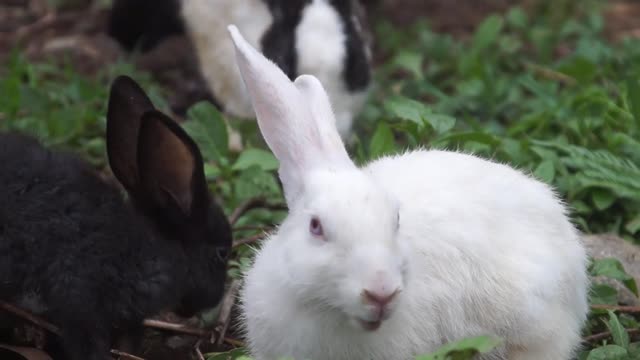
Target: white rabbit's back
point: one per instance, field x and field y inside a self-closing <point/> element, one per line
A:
<point x="495" y="252"/>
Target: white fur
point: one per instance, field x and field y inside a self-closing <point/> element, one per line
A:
<point x="319" y="44"/>
<point x="321" y="52"/>
<point x="206" y="22"/>
<point x="480" y="248"/>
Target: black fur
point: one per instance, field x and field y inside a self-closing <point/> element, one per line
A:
<point x="144" y="23"/>
<point x="97" y="265"/>
<point x="357" y="71"/>
<point x="278" y="42"/>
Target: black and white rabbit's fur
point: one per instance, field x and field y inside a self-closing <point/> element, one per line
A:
<point x="143" y="24"/>
<point x="326" y="38"/>
<point x="73" y="250"/>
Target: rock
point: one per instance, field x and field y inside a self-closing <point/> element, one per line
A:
<point x="607" y="245"/>
<point x="612" y="246"/>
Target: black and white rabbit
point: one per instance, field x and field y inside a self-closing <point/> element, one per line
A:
<point x="325" y="38"/>
<point x="392" y="259"/>
<point x="73" y="250"/>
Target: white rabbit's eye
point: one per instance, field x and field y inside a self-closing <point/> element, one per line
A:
<point x="315" y="227"/>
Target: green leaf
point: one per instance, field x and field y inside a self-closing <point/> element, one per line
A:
<point x="487" y="32"/>
<point x="208" y="129"/>
<point x="633" y="95"/>
<point x="602" y="198"/>
<point x="406" y="109"/>
<point x="211" y="171"/>
<point x="463" y="349"/>
<point x="613" y="268"/>
<point x="382" y="142"/>
<point x="603" y="294"/>
<point x="633" y="225"/>
<point x="261" y="158"/>
<point x="618" y="332"/>
<point x="411" y="61"/>
<point x="580" y="69"/>
<point x="476" y="136"/>
<point x="545" y="171"/>
<point x="608" y="352"/>
<point x="440" y="123"/>
<point x="517" y="17"/>
<point x="254" y="182"/>
<point x="634" y="351"/>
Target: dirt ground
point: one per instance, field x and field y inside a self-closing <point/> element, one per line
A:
<point x="77" y="31"/>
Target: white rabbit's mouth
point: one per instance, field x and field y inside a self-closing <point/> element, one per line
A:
<point x="370" y="325"/>
<point x="373" y="323"/>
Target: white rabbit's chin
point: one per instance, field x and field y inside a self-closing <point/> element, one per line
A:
<point x="366" y="325"/>
<point x="371" y="323"/>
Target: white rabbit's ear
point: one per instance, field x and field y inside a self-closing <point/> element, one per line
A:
<point x="295" y="118"/>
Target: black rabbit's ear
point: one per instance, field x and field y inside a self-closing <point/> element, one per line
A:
<point x="170" y="167"/>
<point x="127" y="103"/>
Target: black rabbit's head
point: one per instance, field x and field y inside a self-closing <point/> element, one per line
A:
<point x="162" y="170"/>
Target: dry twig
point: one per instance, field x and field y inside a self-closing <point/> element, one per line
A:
<point x="50" y="19"/>
<point x="245" y="207"/>
<point x="234" y="342"/>
<point x="224" y="318"/>
<point x="196" y="347"/>
<point x="122" y="354"/>
<point x="36" y="320"/>
<point x="624" y="309"/>
<point x="150" y="323"/>
<point x="241" y="228"/>
<point x="247" y="240"/>
<point x="253" y="203"/>
<point x="551" y="74"/>
<point x="177" y="328"/>
<point x="606" y="334"/>
<point x="186" y="330"/>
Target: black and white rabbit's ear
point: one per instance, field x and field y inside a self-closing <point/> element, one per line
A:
<point x="295" y="118"/>
<point x="127" y="103"/>
<point x="170" y="167"/>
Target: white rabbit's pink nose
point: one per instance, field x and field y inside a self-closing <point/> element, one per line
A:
<point x="379" y="307"/>
<point x="379" y="299"/>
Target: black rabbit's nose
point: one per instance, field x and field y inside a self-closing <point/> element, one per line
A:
<point x="379" y="299"/>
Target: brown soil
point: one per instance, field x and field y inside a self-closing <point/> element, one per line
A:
<point x="458" y="17"/>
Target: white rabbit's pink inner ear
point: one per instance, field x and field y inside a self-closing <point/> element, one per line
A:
<point x="328" y="143"/>
<point x="283" y="116"/>
<point x="295" y="120"/>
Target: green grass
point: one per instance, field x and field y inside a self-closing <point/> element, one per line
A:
<point x="572" y="121"/>
<point x="547" y="94"/>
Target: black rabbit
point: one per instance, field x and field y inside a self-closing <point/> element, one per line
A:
<point x="73" y="250"/>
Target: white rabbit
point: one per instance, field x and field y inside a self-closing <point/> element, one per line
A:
<point x="409" y="252"/>
<point x="319" y="37"/>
